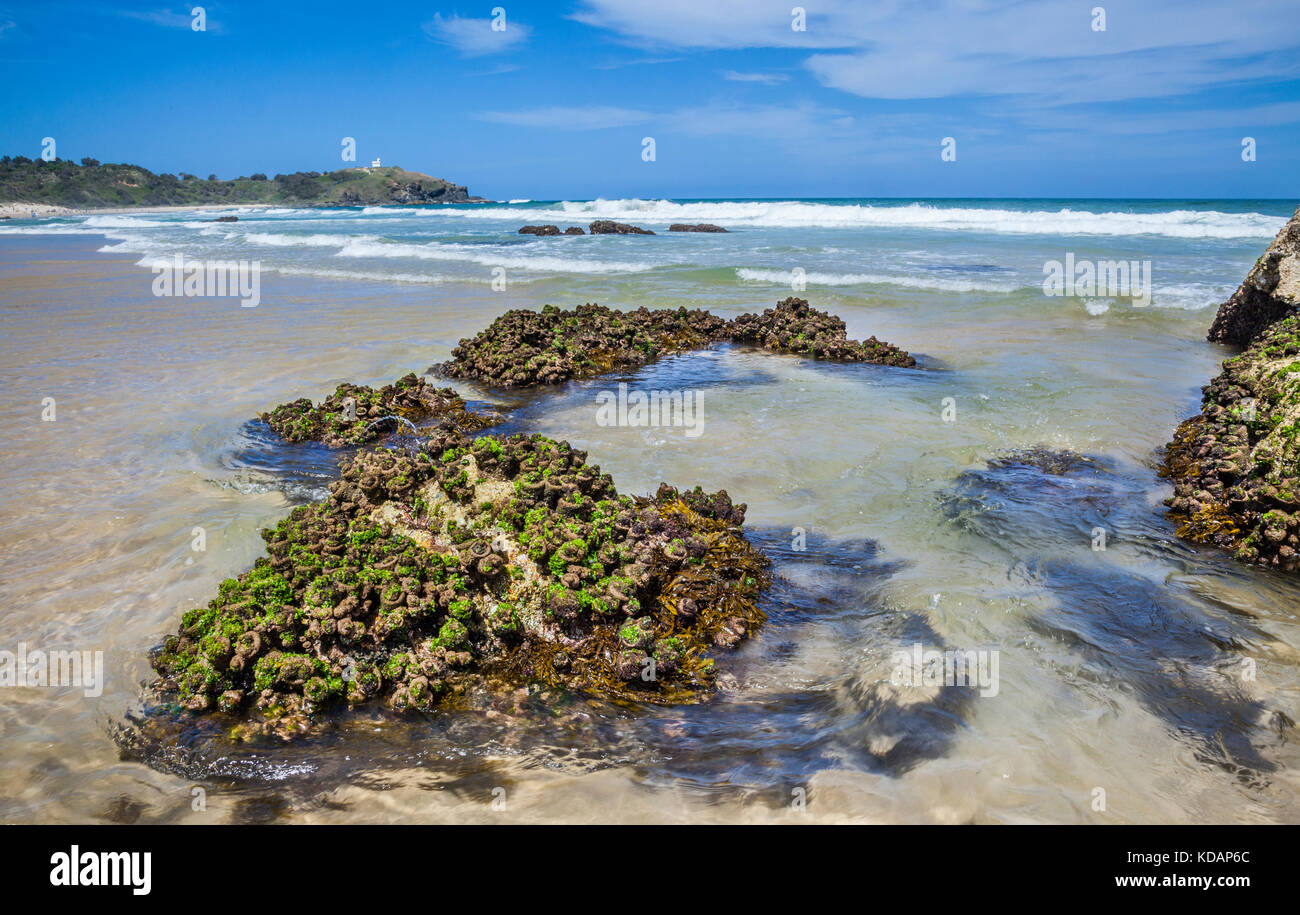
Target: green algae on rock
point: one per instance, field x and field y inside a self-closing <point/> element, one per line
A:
<point x="1236" y="465"/>
<point x="510" y="559"/>
<point x="793" y="326"/>
<point x="350" y="416"/>
<point x="524" y="348"/>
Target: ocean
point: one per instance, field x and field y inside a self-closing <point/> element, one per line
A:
<point x="1139" y="678"/>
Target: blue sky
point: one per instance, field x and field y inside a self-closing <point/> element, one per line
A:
<point x="739" y="102"/>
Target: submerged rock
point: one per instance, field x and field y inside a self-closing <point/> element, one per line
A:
<point x="510" y="560"/>
<point x="609" y="227"/>
<point x="523" y="347"/>
<point x="540" y="230"/>
<point x="1236" y="466"/>
<point x="796" y="327"/>
<point x="698" y="227"/>
<point x="1271" y="291"/>
<point x="352" y="414"/>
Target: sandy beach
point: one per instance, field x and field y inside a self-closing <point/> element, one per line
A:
<point x="44" y="211"/>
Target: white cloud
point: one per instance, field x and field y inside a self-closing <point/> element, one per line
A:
<point x="767" y="79"/>
<point x="721" y="23"/>
<point x="569" y="118"/>
<point x="1150" y="48"/>
<point x="475" y="37"/>
<point x="168" y="19"/>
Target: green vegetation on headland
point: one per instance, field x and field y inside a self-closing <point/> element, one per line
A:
<point x="91" y="184"/>
<point x="1236" y="465"/>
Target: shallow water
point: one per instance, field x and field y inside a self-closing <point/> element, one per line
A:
<point x="1120" y="669"/>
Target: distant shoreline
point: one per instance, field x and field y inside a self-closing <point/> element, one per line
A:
<point x="44" y="210"/>
<point x="21" y="210"/>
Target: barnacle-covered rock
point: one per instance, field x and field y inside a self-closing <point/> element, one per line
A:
<point x="1236" y="465"/>
<point x="355" y="414"/>
<point x="523" y="347"/>
<point x="504" y="559"/>
<point x="793" y="326"/>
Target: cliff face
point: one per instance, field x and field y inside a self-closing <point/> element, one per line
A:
<point x="389" y="185"/>
<point x="1235" y="466"/>
<point x="1271" y="291"/>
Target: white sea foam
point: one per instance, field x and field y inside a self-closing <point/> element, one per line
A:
<point x="278" y="240"/>
<point x="364" y="247"/>
<point x="1184" y="296"/>
<point x="124" y="222"/>
<point x="377" y="275"/>
<point x="1190" y="296"/>
<point x="799" y="214"/>
<point x="784" y="277"/>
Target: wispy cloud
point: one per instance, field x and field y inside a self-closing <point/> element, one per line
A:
<point x="497" y="70"/>
<point x="635" y="62"/>
<point x="952" y="48"/>
<point x="694" y="120"/>
<point x="720" y="23"/>
<point x="475" y="37"/>
<point x="168" y="19"/>
<point x="767" y="79"/>
<point x="569" y="118"/>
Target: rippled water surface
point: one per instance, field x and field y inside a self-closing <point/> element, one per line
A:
<point x="1123" y="669"/>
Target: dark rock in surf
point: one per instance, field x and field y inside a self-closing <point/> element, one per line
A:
<point x="609" y="227"/>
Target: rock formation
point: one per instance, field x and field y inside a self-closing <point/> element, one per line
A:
<point x="510" y="559"/>
<point x="1271" y="290"/>
<point x="609" y="227"/>
<point x="1236" y="465"/>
